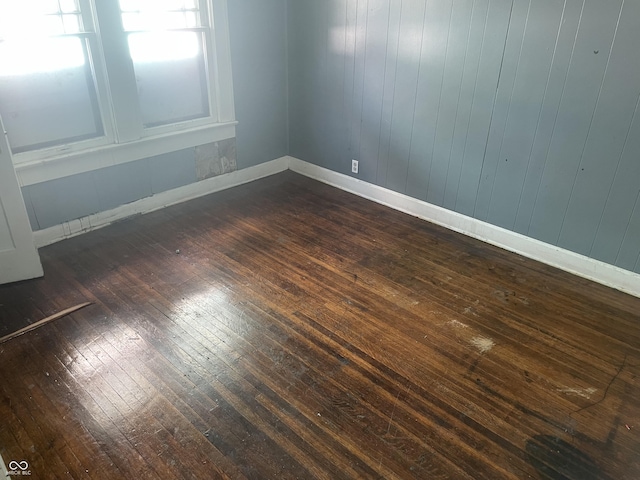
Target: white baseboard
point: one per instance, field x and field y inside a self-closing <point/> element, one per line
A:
<point x="72" y="228"/>
<point x="580" y="265"/>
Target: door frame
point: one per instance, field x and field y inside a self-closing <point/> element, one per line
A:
<point x="19" y="259"/>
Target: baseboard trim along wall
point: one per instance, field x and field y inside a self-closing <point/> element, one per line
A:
<point x="72" y="228"/>
<point x="580" y="265"/>
<point x="577" y="264"/>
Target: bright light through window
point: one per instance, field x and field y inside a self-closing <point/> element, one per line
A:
<point x="150" y="47"/>
<point x="24" y="57"/>
<point x="159" y="29"/>
<point x="66" y="76"/>
<point x="148" y="15"/>
<point x="22" y="19"/>
<point x="31" y="36"/>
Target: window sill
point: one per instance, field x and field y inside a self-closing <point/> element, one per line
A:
<point x="64" y="165"/>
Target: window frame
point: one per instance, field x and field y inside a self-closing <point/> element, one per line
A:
<point x="125" y="137"/>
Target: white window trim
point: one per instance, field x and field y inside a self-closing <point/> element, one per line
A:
<point x="82" y="161"/>
<point x="130" y="141"/>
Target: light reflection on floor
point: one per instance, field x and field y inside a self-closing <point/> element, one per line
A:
<point x="108" y="389"/>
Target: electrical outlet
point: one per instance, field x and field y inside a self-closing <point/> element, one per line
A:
<point x="354" y="166"/>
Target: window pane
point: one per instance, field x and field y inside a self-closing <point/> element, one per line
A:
<point x="47" y="6"/>
<point x="47" y="96"/>
<point x="175" y="20"/>
<point x="52" y="25"/>
<point x="170" y="75"/>
<point x="35" y="18"/>
<point x="159" y="14"/>
<point x="130" y="5"/>
<point x="132" y="22"/>
<point x="24" y="57"/>
<point x="191" y="19"/>
<point x="69" y="6"/>
<point x="152" y="47"/>
<point x="71" y="23"/>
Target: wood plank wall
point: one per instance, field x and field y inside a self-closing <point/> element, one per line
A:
<point x="520" y="113"/>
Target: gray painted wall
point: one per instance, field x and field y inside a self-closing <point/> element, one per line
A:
<point x="524" y="114"/>
<point x="54" y="202"/>
<point x="76" y="196"/>
<point x="259" y="56"/>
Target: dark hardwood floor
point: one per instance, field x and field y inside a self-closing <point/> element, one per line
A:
<point x="286" y="329"/>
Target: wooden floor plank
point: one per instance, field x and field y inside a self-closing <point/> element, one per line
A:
<point x="286" y="329"/>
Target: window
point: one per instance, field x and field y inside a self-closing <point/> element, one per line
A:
<point x="167" y="41"/>
<point x="76" y="75"/>
<point x="47" y="89"/>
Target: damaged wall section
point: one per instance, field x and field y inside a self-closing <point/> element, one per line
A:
<point x="216" y="158"/>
